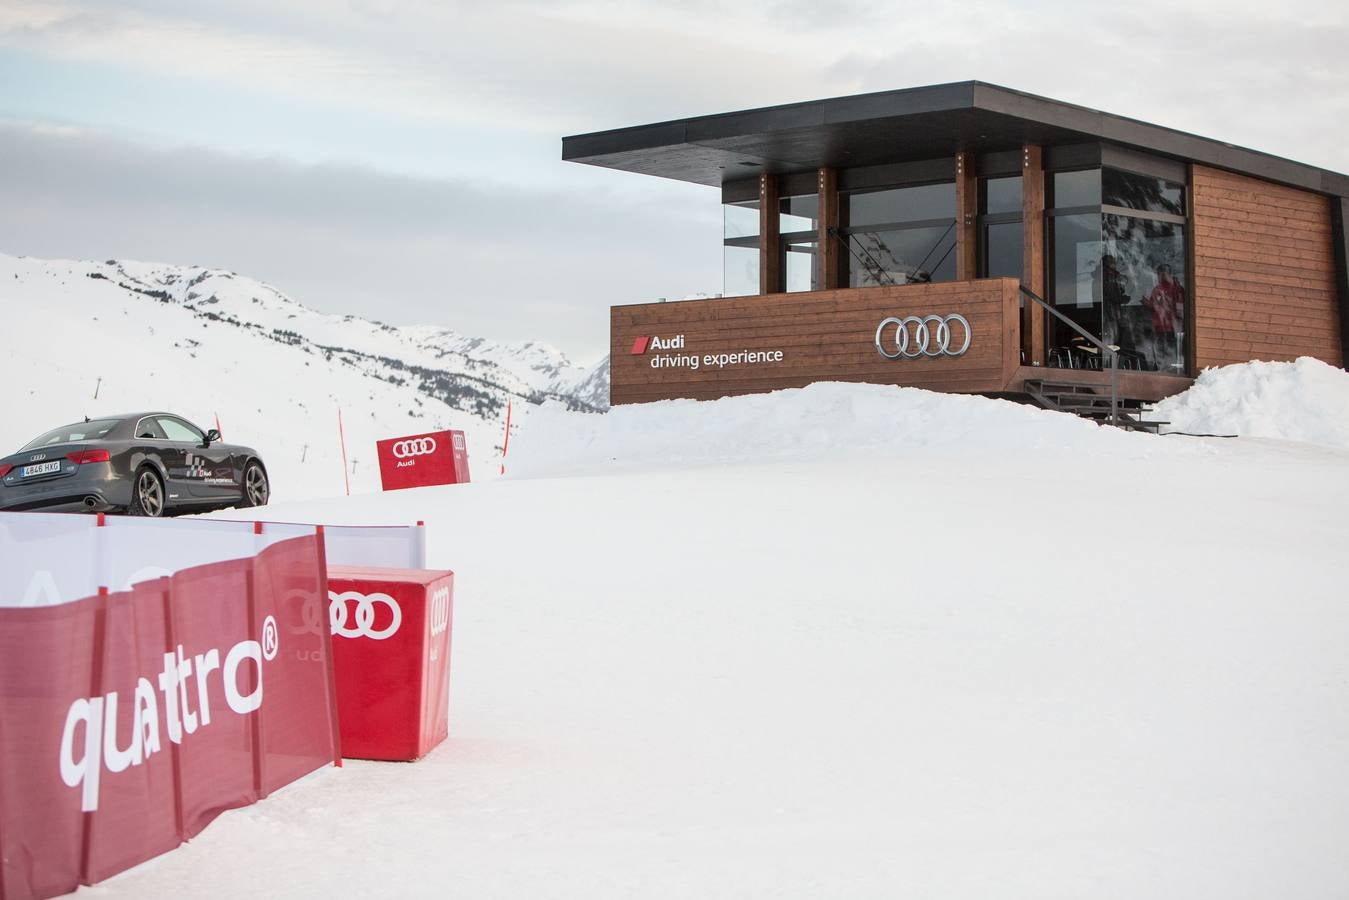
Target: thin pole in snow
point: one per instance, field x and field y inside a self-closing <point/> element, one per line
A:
<point x="303" y="451"/>
<point x="98" y="385"/>
<point x="342" y="435"/>
<point x="506" y="442"/>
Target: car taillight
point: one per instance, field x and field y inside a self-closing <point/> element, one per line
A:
<point x="5" y="469"/>
<point x="87" y="456"/>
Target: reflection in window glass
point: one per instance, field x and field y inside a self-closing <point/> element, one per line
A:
<point x="1076" y="288"/>
<point x="1004" y="251"/>
<point x="740" y="253"/>
<point x="86" y="431"/>
<point x="1144" y="192"/>
<point x="907" y="204"/>
<point x="798" y="221"/>
<point x="1122" y="278"/>
<point x="1000" y="195"/>
<point x="902" y="256"/>
<point x="798" y="265"/>
<point x="178" y="430"/>
<point x="798" y="213"/>
<point x="741" y="220"/>
<point x="1144" y="313"/>
<point x="740" y="275"/>
<point x="1077" y="188"/>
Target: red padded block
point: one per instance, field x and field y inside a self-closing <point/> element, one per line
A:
<point x="391" y="659"/>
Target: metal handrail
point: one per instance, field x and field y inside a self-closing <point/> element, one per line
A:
<point x="1109" y="351"/>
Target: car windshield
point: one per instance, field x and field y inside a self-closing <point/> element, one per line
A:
<point x="84" y="431"/>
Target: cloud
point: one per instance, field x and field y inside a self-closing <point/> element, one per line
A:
<point x="495" y="262"/>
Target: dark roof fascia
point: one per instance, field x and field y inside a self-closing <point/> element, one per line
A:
<point x="859" y="108"/>
<point x="1145" y="136"/>
<point x="968" y="95"/>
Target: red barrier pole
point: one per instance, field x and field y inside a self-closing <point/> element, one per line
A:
<point x="170" y="640"/>
<point x="254" y="720"/>
<point x="325" y="629"/>
<point x="506" y="442"/>
<point x="95" y="690"/>
<point x="343" y="436"/>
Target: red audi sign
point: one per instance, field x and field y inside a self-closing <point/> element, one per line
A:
<point x="422" y="459"/>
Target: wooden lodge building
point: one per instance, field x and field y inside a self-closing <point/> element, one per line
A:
<point x="966" y="237"/>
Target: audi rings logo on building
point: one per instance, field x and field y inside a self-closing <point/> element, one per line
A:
<point x="363" y="620"/>
<point x="415" y="447"/>
<point x="440" y="611"/>
<point x="914" y="337"/>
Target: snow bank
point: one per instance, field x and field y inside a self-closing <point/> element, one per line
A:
<point x="1306" y="400"/>
<point x="828" y="420"/>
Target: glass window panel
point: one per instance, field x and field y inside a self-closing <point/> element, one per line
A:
<point x="1145" y="312"/>
<point x="1004" y="251"/>
<point x="740" y="275"/>
<point x="799" y="265"/>
<point x="1077" y="188"/>
<point x="1144" y="192"/>
<point x="1000" y="195"/>
<point x="741" y="220"/>
<point x="901" y="257"/>
<point x="178" y="430"/>
<point x="908" y="204"/>
<point x="1076" y="287"/>
<point x="798" y="213"/>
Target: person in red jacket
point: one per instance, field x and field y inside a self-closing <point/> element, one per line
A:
<point x="1167" y="305"/>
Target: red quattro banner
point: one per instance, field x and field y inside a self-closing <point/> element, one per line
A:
<point x="129" y="721"/>
<point x="423" y="459"/>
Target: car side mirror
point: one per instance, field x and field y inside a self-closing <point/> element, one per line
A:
<point x="212" y="436"/>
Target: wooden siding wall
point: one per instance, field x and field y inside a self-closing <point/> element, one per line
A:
<point x="1264" y="272"/>
<point x="824" y="336"/>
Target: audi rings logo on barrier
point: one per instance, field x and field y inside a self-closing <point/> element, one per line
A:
<point x="415" y="447"/>
<point x="914" y="338"/>
<point x="364" y="617"/>
<point x="440" y="611"/>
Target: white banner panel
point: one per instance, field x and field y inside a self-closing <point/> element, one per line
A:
<point x="46" y="558"/>
<point x="50" y="558"/>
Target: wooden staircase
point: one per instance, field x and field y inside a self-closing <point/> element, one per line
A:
<point x="1092" y="401"/>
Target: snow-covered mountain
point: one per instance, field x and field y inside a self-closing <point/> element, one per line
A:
<point x="88" y="338"/>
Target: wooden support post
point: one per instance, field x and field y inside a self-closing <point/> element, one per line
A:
<point x="1033" y="261"/>
<point x="828" y="256"/>
<point x="770" y="243"/>
<point x="967" y="217"/>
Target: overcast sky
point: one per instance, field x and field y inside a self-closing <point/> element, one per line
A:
<point x="400" y="159"/>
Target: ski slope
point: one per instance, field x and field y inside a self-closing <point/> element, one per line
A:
<point x="105" y="338"/>
<point x="995" y="652"/>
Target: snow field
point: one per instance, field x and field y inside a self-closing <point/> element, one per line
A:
<point x="980" y="658"/>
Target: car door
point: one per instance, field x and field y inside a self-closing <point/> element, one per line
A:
<point x="149" y="438"/>
<point x="206" y="472"/>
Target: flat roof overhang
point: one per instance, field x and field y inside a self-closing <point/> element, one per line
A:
<point x="904" y="125"/>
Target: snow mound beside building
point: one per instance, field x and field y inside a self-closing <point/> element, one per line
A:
<point x="821" y="422"/>
<point x="1306" y="400"/>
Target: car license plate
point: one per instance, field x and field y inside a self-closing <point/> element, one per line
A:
<point x="42" y="469"/>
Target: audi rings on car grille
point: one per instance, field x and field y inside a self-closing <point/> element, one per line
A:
<point x="914" y="338"/>
<point x="415" y="447"/>
<point x="364" y="618"/>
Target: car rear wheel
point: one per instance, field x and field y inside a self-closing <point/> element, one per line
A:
<point x="147" y="494"/>
<point x="256" y="489"/>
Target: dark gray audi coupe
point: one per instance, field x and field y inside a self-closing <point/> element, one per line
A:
<point x="145" y="464"/>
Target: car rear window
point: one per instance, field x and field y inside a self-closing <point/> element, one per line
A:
<point x="84" y="431"/>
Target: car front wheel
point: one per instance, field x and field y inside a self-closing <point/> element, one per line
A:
<point x="256" y="489"/>
<point x="147" y="494"/>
